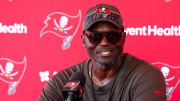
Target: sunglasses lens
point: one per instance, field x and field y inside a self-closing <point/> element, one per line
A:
<point x="113" y="37"/>
<point x="95" y="37"/>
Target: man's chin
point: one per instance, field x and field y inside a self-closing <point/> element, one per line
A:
<point x="105" y="63"/>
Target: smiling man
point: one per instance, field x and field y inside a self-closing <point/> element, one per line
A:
<point x="111" y="75"/>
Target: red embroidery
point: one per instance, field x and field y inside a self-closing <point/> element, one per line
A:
<point x="72" y="84"/>
<point x="156" y="92"/>
<point x="103" y="10"/>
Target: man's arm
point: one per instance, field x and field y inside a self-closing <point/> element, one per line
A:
<point x="51" y="91"/>
<point x="150" y="87"/>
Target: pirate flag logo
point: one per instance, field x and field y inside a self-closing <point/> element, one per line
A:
<point x="62" y="25"/>
<point x="11" y="73"/>
<point x="104" y="11"/>
<point x="171" y="76"/>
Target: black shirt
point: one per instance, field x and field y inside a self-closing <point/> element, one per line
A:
<point x="137" y="80"/>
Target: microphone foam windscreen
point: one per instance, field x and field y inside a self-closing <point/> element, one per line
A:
<point x="78" y="76"/>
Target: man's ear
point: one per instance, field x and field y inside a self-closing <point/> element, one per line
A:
<point x="124" y="36"/>
<point x="122" y="41"/>
<point x="82" y="39"/>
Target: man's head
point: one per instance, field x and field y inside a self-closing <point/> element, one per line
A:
<point x="103" y="34"/>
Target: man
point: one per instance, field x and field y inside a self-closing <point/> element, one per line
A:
<point x="110" y="74"/>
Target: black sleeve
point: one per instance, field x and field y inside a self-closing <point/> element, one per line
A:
<point x="53" y="88"/>
<point x="52" y="91"/>
<point x="151" y="87"/>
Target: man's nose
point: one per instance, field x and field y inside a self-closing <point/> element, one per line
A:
<point x="104" y="41"/>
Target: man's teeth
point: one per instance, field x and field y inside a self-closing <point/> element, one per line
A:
<point x="105" y="53"/>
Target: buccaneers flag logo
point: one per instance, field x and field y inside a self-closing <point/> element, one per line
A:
<point x="72" y="84"/>
<point x="11" y="73"/>
<point x="62" y="25"/>
<point x="171" y="76"/>
<point x="103" y="10"/>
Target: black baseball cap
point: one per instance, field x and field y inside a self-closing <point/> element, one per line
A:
<point x="103" y="12"/>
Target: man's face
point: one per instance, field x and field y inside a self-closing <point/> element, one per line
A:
<point x="104" y="53"/>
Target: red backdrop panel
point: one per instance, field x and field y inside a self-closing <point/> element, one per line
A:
<point x="41" y="37"/>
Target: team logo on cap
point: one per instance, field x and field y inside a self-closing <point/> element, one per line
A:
<point x="11" y="73"/>
<point x="103" y="10"/>
<point x="171" y="76"/>
<point x="62" y="25"/>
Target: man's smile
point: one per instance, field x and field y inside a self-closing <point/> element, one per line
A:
<point x="105" y="53"/>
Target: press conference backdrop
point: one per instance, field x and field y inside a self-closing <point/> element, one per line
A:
<point x="39" y="38"/>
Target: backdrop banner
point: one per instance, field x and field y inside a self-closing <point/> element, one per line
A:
<point x="39" y="38"/>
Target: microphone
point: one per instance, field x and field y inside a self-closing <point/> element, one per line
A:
<point x="73" y="89"/>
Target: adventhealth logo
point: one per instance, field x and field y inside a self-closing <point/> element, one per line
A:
<point x="153" y="31"/>
<point x="15" y="28"/>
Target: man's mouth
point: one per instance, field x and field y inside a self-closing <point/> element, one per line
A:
<point x="105" y="53"/>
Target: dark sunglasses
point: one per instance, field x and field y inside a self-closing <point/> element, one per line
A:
<point x="96" y="37"/>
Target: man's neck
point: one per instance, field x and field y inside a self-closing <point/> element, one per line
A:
<point x="102" y="75"/>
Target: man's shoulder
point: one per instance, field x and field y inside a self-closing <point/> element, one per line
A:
<point x="65" y="74"/>
<point x="140" y="67"/>
<point x="143" y="69"/>
<point x="141" y="64"/>
<point x="145" y="80"/>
